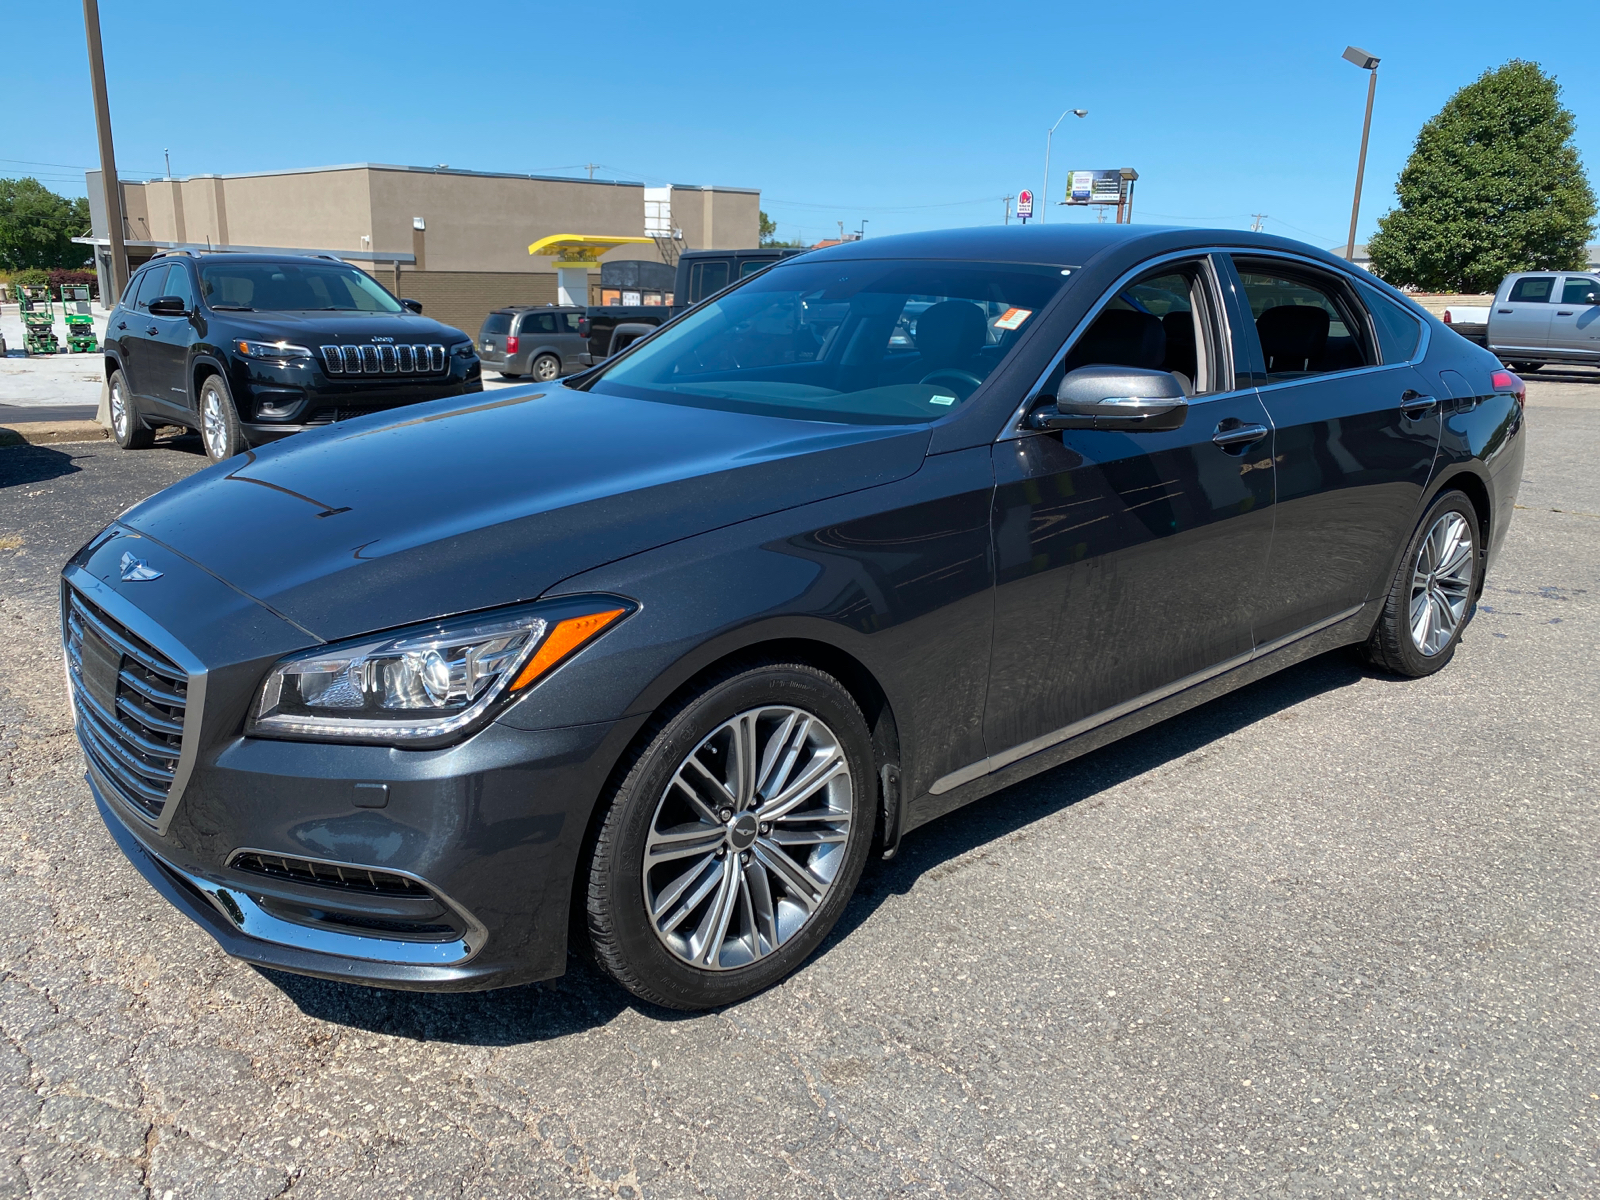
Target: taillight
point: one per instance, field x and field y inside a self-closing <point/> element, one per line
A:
<point x="1447" y="320"/>
<point x="1505" y="381"/>
<point x="511" y="345"/>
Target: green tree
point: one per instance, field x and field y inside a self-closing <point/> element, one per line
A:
<point x="1493" y="186"/>
<point x="37" y="226"/>
<point x="768" y="229"/>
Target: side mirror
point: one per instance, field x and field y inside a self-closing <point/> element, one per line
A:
<point x="1126" y="398"/>
<point x="414" y="305"/>
<point x="168" y="306"/>
<point x="1592" y="298"/>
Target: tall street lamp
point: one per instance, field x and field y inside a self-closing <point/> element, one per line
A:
<point x="1077" y="112"/>
<point x="1370" y="64"/>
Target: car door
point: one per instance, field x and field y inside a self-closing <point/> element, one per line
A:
<point x="569" y="341"/>
<point x="1356" y="431"/>
<point x="1128" y="564"/>
<point x="1521" y="319"/>
<point x="133" y="327"/>
<point x="167" y="350"/>
<point x="1575" y="319"/>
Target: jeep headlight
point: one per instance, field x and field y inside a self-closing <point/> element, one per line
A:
<point x="424" y="683"/>
<point x="270" y="350"/>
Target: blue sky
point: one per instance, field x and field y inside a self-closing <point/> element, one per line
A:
<point x="909" y="116"/>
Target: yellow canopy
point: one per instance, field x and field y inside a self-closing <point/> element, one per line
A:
<point x="582" y="249"/>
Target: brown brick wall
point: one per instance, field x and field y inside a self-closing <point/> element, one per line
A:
<point x="464" y="298"/>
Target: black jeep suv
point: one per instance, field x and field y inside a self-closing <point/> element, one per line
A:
<point x="250" y="348"/>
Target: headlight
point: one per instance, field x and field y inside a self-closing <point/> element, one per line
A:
<point x="425" y="683"/>
<point x="270" y="350"/>
<point x="464" y="350"/>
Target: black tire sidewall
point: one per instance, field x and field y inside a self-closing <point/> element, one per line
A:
<point x="1412" y="660"/>
<point x="665" y="979"/>
<point x="230" y="416"/>
<point x="138" y="435"/>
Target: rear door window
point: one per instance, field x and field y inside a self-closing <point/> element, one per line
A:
<point x="539" y="323"/>
<point x="1535" y="289"/>
<point x="1305" y="326"/>
<point x="706" y="278"/>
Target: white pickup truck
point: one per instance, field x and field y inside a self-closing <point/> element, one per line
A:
<point x="1544" y="317"/>
<point x="1471" y="321"/>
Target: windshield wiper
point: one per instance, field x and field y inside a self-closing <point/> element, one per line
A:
<point x="232" y="308"/>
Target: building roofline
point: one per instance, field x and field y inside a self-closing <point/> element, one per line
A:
<point x="368" y="166"/>
<point x="292" y="251"/>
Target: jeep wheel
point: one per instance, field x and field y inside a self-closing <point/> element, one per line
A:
<point x="126" y="425"/>
<point x="219" y="420"/>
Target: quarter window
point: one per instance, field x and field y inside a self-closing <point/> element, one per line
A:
<point x="1398" y="331"/>
<point x="1576" y="291"/>
<point x="1535" y="289"/>
<point x="1304" y="326"/>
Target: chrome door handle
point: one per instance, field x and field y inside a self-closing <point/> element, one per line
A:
<point x="1239" y="435"/>
<point x="1413" y="404"/>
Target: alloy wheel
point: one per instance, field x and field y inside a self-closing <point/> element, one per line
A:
<point x="748" y="837"/>
<point x="119" y="412"/>
<point x="1441" y="583"/>
<point x="214" y="424"/>
<point x="545" y="369"/>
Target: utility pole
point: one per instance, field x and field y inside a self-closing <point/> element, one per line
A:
<point x="1080" y="113"/>
<point x="108" y="158"/>
<point x="1008" y="208"/>
<point x="862" y="232"/>
<point x="591" y="167"/>
<point x="1369" y="64"/>
<point x="167" y="154"/>
<point x="1255" y="226"/>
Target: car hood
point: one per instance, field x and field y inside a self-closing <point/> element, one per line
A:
<point x="472" y="502"/>
<point x="403" y="327"/>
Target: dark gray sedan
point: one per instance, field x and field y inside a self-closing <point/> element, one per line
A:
<point x="658" y="658"/>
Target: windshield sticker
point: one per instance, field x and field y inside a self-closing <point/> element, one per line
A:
<point x="946" y="400"/>
<point x="1012" y="318"/>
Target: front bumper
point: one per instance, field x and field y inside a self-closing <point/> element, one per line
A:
<point x="276" y="400"/>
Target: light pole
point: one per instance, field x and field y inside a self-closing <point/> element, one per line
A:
<point x="1080" y="113"/>
<point x="108" y="159"/>
<point x="1369" y="64"/>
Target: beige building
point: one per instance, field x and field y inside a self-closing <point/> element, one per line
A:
<point x="455" y="240"/>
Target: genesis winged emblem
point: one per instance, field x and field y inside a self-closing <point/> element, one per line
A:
<point x="136" y="570"/>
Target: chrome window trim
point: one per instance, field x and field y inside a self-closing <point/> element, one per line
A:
<point x="121" y="609"/>
<point x="1017" y="426"/>
<point x="996" y="762"/>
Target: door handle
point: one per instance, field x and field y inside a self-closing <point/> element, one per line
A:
<point x="1239" y="435"/>
<point x="1502" y="310"/>
<point x="1566" y="313"/>
<point x="1414" y="404"/>
<point x="152" y="331"/>
<point x="122" y="324"/>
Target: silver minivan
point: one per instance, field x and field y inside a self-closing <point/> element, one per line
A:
<point x="542" y="342"/>
<point x="1541" y="317"/>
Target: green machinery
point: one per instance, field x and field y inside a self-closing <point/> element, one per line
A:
<point x="80" y="324"/>
<point x="38" y="320"/>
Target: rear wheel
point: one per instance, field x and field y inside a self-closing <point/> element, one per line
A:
<point x="546" y="367"/>
<point x="1432" y="597"/>
<point x="1524" y="368"/>
<point x="734" y="841"/>
<point x="126" y="425"/>
<point x="510" y="374"/>
<point x="219" y="420"/>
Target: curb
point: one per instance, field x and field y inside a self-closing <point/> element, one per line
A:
<point x="44" y="433"/>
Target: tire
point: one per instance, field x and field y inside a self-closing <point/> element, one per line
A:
<point x="127" y="426"/>
<point x="777" y="912"/>
<point x="510" y="374"/>
<point x="1524" y="368"/>
<point x="546" y="367"/>
<point x="219" y="420"/>
<point x="1439" y="578"/>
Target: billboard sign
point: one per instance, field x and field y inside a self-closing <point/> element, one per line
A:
<point x="1025" y="204"/>
<point x="1094" y="187"/>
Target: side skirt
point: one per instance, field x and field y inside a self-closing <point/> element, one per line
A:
<point x="1146" y="711"/>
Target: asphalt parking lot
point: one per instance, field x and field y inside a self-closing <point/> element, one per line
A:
<point x="1334" y="935"/>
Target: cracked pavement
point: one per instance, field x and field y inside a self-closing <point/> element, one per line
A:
<point x="1332" y="935"/>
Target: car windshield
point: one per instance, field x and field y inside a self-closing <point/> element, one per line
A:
<point x="855" y="341"/>
<point x="293" y="287"/>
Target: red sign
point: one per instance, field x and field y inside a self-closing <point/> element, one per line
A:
<point x="1024" y="204"/>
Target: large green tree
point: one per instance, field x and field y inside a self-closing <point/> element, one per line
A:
<point x="37" y="226"/>
<point x="1494" y="185"/>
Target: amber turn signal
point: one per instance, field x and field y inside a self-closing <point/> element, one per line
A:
<point x="563" y="640"/>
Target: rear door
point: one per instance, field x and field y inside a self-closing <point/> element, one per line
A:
<point x="1575" y="321"/>
<point x="1521" y="321"/>
<point x="1127" y="563"/>
<point x="1356" y="427"/>
<point x="139" y="329"/>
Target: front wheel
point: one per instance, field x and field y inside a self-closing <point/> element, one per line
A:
<point x="735" y="839"/>
<point x="219" y="420"/>
<point x="1431" y="599"/>
<point x="126" y="425"/>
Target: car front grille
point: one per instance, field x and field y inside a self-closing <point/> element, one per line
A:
<point x="383" y="359"/>
<point x="333" y="875"/>
<point x="131" y="700"/>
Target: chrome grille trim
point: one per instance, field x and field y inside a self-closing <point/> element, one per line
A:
<point x="143" y="753"/>
<point x="384" y="359"/>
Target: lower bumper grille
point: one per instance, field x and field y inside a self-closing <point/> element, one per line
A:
<point x="131" y="701"/>
<point x="334" y="875"/>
